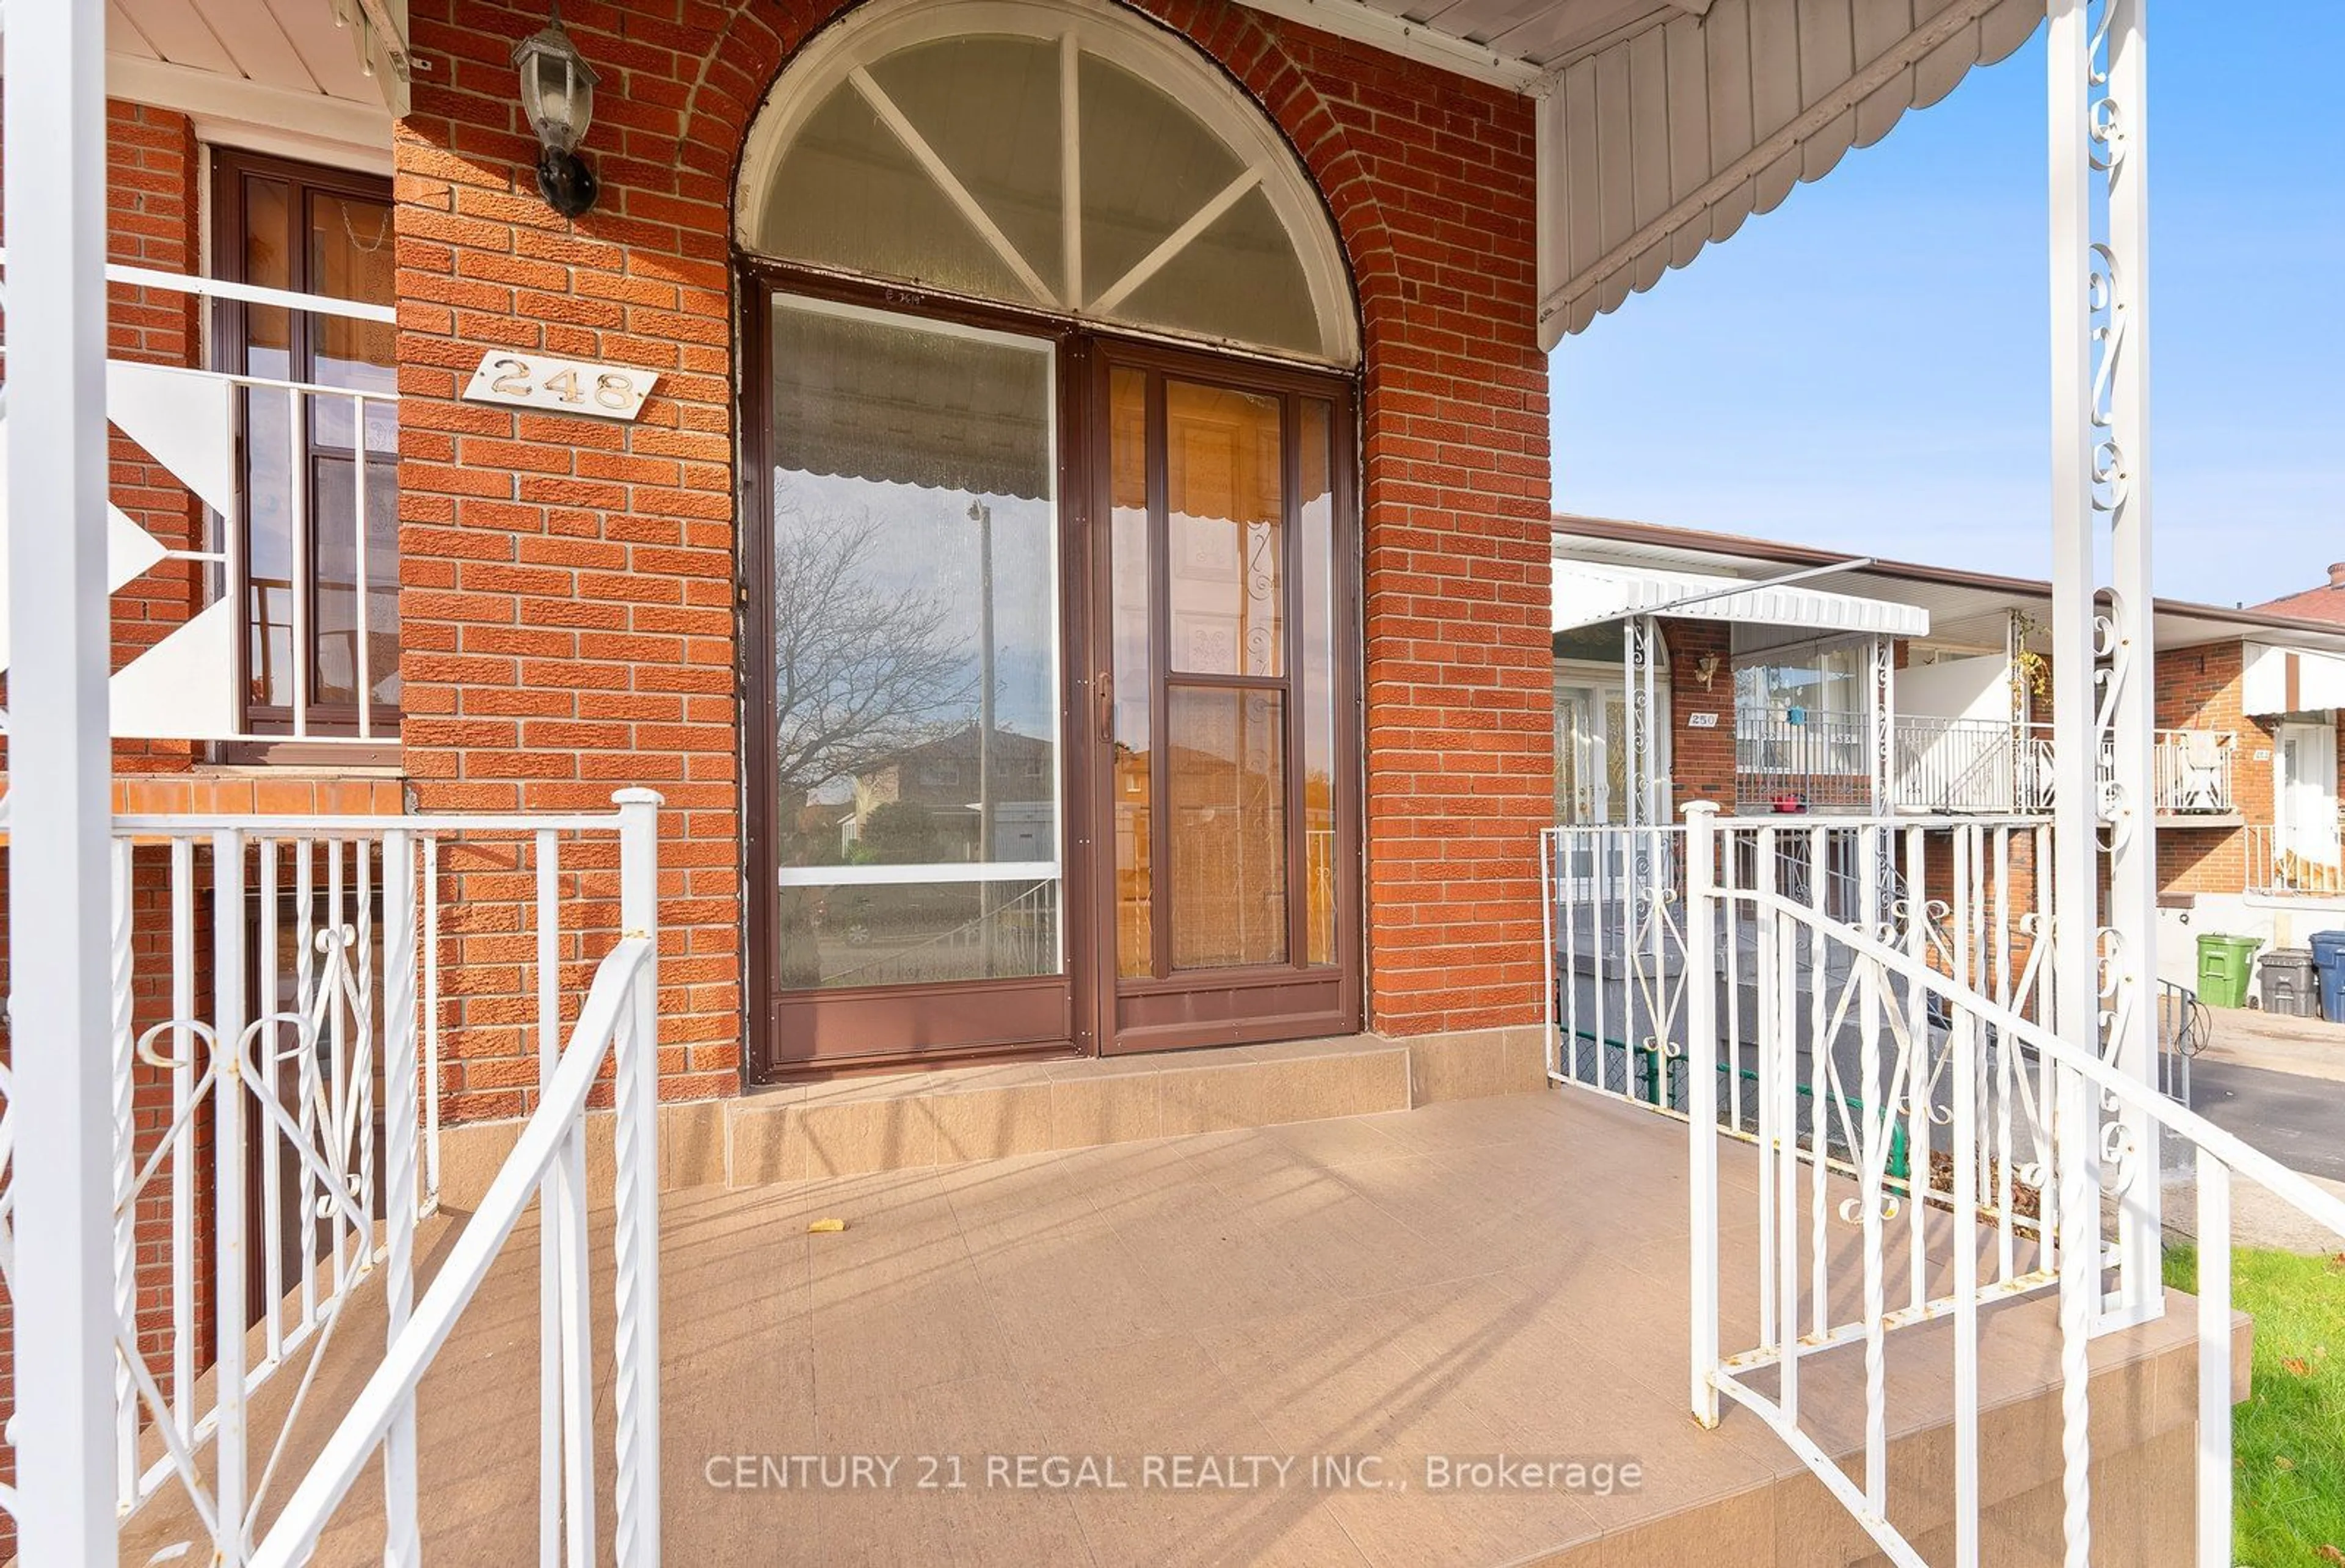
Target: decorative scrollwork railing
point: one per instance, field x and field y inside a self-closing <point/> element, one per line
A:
<point x="2039" y="1136"/>
<point x="276" y="1069"/>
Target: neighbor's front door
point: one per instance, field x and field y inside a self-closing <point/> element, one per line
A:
<point x="2304" y="787"/>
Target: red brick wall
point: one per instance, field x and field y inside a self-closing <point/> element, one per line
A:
<point x="153" y="220"/>
<point x="2202" y="688"/>
<point x="568" y="585"/>
<point x="1701" y="761"/>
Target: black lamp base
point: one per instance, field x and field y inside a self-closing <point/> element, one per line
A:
<point x="567" y="182"/>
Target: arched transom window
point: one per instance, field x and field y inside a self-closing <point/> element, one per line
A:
<point x="1055" y="155"/>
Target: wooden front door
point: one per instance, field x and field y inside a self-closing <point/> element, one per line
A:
<point x="1226" y="659"/>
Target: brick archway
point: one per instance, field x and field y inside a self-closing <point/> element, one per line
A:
<point x="569" y="586"/>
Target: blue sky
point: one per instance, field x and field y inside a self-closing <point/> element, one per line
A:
<point x="1866" y="367"/>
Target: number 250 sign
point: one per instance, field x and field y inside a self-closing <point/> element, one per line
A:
<point x="561" y="386"/>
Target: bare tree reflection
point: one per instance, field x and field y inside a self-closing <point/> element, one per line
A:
<point x="862" y="672"/>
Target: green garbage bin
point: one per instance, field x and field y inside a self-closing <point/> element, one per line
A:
<point x="2224" y="962"/>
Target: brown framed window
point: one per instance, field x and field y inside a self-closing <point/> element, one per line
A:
<point x="315" y="544"/>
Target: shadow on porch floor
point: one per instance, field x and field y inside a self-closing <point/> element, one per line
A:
<point x="1471" y="1278"/>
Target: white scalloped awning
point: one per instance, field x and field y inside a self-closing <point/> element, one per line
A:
<point x="1586" y="594"/>
<point x="1664" y="142"/>
<point x="1663" y="124"/>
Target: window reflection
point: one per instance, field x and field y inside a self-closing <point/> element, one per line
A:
<point x="914" y="650"/>
<point x="321" y="494"/>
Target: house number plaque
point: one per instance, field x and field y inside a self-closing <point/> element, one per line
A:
<point x="560" y="386"/>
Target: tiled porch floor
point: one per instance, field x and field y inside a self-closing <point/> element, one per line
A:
<point x="1473" y="1278"/>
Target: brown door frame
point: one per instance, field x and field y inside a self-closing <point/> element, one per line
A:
<point x="1087" y="883"/>
<point x="1293" y="999"/>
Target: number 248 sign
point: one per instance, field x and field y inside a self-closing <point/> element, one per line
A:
<point x="560" y="386"/>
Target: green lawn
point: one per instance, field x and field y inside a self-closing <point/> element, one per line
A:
<point x="2289" y="1439"/>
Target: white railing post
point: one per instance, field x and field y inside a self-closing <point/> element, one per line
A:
<point x="549" y="1232"/>
<point x="636" y="1337"/>
<point x="2075" y="748"/>
<point x="232" y="1235"/>
<point x="2122" y="117"/>
<point x="1546" y="843"/>
<point x="61" y="1106"/>
<point x="1701" y="1096"/>
<point x="567" y="1413"/>
<point x="402" y="1547"/>
<point x="125" y="1186"/>
<point x="2213" y="1361"/>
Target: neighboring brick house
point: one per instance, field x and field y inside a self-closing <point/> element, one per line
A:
<point x="2250" y="709"/>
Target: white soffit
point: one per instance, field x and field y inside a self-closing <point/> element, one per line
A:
<point x="1659" y="142"/>
<point x="1586" y="594"/>
<point x="2282" y="680"/>
<point x="331" y="72"/>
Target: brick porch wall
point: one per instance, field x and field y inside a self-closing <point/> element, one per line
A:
<point x="568" y="585"/>
<point x="2202" y="688"/>
<point x="1701" y="761"/>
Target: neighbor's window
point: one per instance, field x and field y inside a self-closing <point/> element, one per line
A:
<point x="1826" y="683"/>
<point x="319" y="534"/>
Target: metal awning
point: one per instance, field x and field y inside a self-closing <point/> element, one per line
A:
<point x="1586" y="594"/>
<point x="2279" y="679"/>
<point x="1664" y="123"/>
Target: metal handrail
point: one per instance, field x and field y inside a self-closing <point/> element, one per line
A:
<point x="555" y="1124"/>
<point x="2074" y="1086"/>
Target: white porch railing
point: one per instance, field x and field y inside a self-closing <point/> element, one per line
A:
<point x="298" y="1104"/>
<point x="283" y="639"/>
<point x="1954" y="766"/>
<point x="2037" y="1135"/>
<point x="1618" y="964"/>
<point x="1821" y="762"/>
<point x="1940" y="766"/>
<point x="2293" y="863"/>
<point x="2190" y="770"/>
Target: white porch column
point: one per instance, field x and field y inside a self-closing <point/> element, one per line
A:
<point x="2105" y="958"/>
<point x="59" y="784"/>
<point x="1881" y="720"/>
<point x="2122" y="478"/>
<point x="2103" y="969"/>
<point x="1640" y="656"/>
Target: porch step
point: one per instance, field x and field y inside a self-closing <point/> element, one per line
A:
<point x="913" y="1120"/>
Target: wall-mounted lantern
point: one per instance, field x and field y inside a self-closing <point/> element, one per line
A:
<point x="557" y="95"/>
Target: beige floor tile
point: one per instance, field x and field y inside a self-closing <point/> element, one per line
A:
<point x="1072" y="1289"/>
<point x="1475" y="1278"/>
<point x="1209" y="1262"/>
